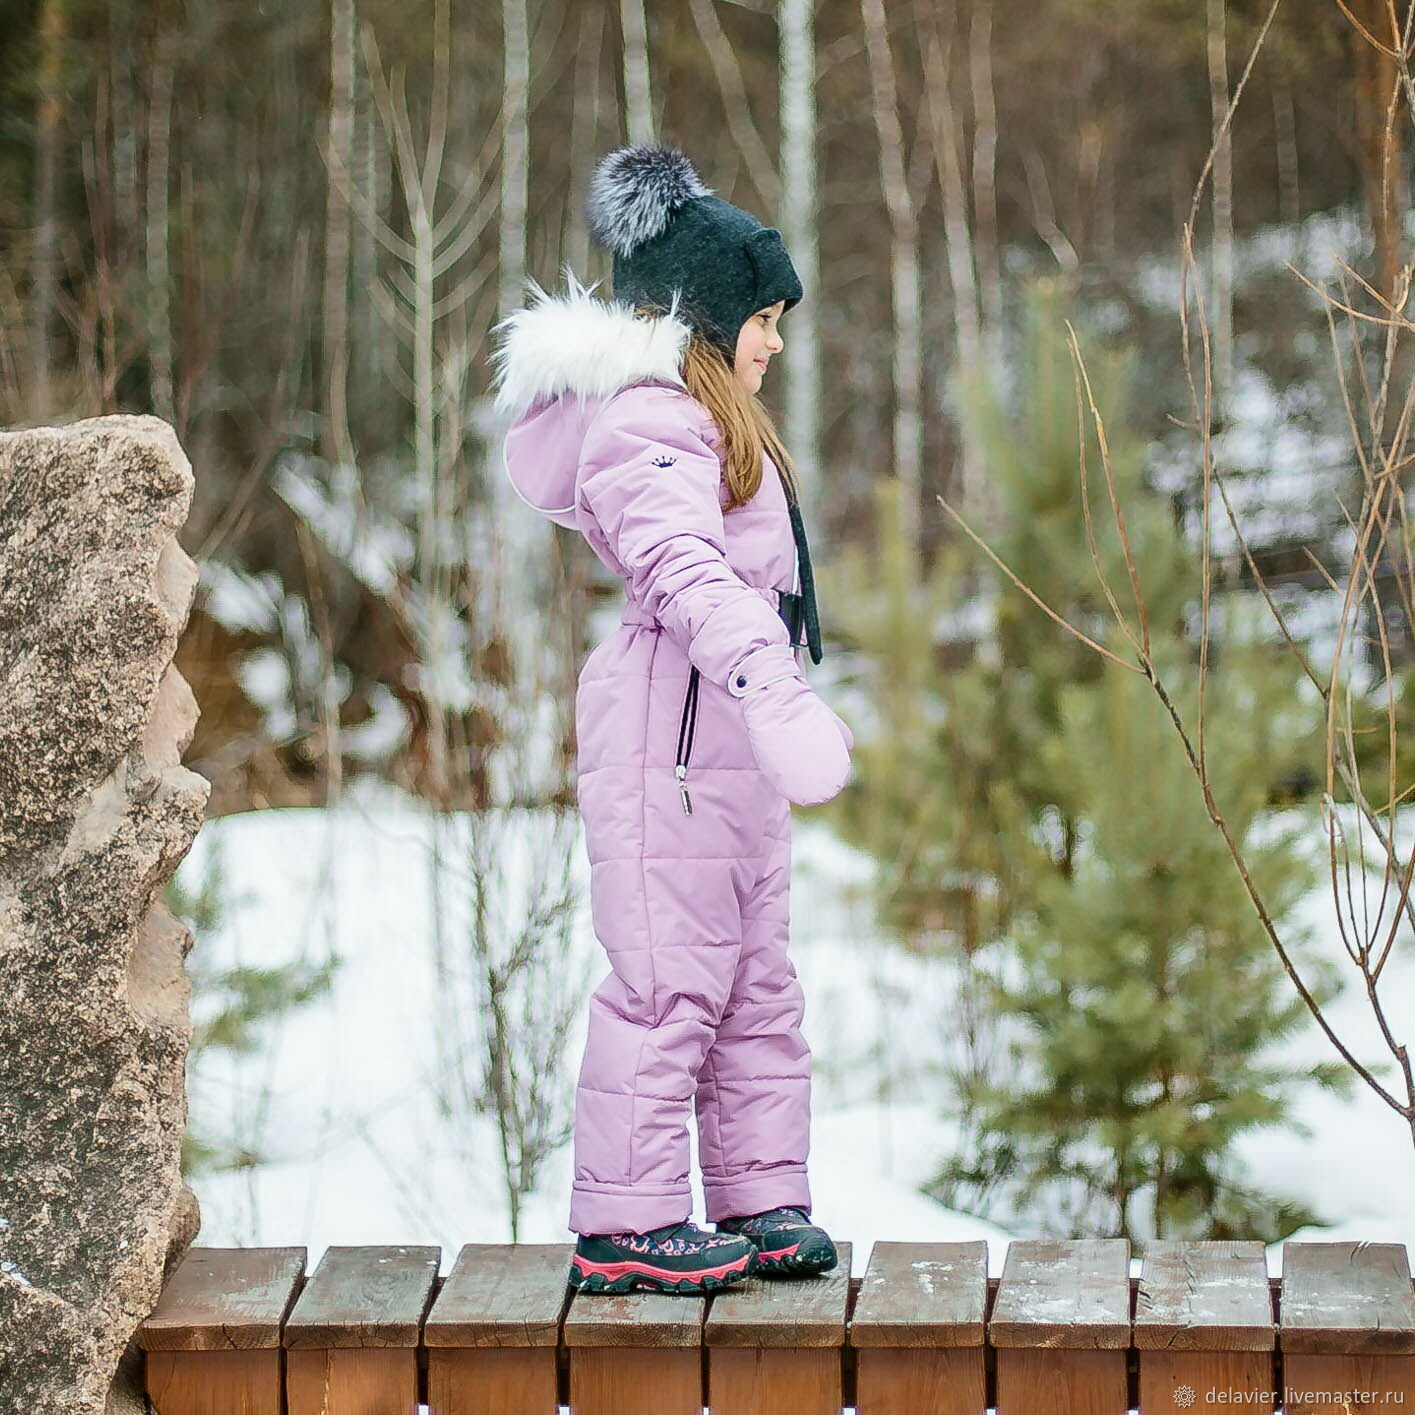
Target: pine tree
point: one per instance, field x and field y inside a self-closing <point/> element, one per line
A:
<point x="1035" y="814"/>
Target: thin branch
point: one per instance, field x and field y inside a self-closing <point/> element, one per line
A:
<point x="1026" y="590"/>
<point x="1083" y="377"/>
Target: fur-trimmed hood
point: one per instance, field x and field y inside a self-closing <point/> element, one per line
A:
<point x="556" y="362"/>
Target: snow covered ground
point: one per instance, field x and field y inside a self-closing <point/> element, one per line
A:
<point x="341" y="1095"/>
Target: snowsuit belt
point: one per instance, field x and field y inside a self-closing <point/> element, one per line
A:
<point x="790" y="606"/>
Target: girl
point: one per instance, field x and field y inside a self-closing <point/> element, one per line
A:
<point x="636" y="423"/>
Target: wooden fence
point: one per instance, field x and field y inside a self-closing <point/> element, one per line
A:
<point x="1065" y="1330"/>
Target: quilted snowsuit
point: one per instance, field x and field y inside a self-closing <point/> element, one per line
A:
<point x="689" y="844"/>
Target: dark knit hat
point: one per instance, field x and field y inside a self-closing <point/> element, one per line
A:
<point x="669" y="233"/>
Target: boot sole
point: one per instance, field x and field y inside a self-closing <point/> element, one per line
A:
<point x="613" y="1278"/>
<point x="794" y="1260"/>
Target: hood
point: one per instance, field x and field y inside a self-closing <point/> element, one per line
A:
<point x="558" y="360"/>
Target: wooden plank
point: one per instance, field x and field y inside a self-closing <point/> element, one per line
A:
<point x="1324" y="1384"/>
<point x="491" y="1334"/>
<point x="214" y="1382"/>
<point x="352" y="1381"/>
<point x="488" y="1380"/>
<point x="223" y="1299"/>
<point x="1204" y="1327"/>
<point x="914" y="1381"/>
<point x="1073" y="1294"/>
<point x="776" y="1343"/>
<point x="1172" y="1382"/>
<point x="1346" y="1299"/>
<point x="766" y="1380"/>
<point x="1060" y="1327"/>
<point x="1346" y="1326"/>
<point x="918" y="1327"/>
<point x="1211" y="1295"/>
<point x="922" y="1295"/>
<point x="1062" y="1381"/>
<point x="803" y="1311"/>
<point x="364" y="1297"/>
<point x="493" y="1330"/>
<point x="636" y="1353"/>
<point x="623" y="1380"/>
<point x="666" y="1320"/>
<point x="351" y="1337"/>
<point x="502" y="1294"/>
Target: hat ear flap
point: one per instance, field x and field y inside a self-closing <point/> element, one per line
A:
<point x="776" y="276"/>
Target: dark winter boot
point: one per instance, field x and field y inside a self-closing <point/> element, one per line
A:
<point x="679" y="1257"/>
<point x="787" y="1241"/>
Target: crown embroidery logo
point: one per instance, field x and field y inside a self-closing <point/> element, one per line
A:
<point x="664" y="461"/>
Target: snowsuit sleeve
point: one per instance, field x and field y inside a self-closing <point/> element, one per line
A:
<point x="649" y="481"/>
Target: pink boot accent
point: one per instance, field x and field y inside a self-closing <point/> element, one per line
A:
<point x="615" y="1270"/>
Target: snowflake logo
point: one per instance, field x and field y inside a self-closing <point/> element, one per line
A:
<point x="664" y="461"/>
<point x="1184" y="1396"/>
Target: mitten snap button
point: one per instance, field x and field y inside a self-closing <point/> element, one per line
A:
<point x="741" y="681"/>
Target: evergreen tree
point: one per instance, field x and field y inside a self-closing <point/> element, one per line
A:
<point x="1036" y="813"/>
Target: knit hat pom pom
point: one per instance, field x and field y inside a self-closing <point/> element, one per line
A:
<point x="635" y="190"/>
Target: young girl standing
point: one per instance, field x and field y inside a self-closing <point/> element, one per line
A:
<point x="636" y="422"/>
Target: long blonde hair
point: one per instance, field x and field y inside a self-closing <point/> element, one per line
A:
<point x="747" y="428"/>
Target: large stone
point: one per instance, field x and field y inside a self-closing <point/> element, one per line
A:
<point x="96" y="811"/>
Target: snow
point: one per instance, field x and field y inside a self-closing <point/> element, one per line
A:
<point x="240" y="601"/>
<point x="341" y="1094"/>
<point x="373" y="546"/>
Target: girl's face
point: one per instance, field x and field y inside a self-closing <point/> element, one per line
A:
<point x="758" y="339"/>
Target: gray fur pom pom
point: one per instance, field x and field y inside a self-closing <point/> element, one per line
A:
<point x="635" y="190"/>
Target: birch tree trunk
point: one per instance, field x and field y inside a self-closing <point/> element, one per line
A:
<point x="799" y="204"/>
<point x="52" y="31"/>
<point x="372" y="344"/>
<point x="337" y="222"/>
<point x="905" y="283"/>
<point x="1289" y="186"/>
<point x="515" y="153"/>
<point x="969" y="357"/>
<point x="430" y="321"/>
<point x="584" y="138"/>
<point x="116" y="172"/>
<point x="122" y="69"/>
<point x="520" y="538"/>
<point x="1381" y="119"/>
<point x="638" y="96"/>
<point x="1222" y="319"/>
<point x="735" y="105"/>
<point x="989" y="262"/>
<point x="1379" y="142"/>
<point x="159" y="274"/>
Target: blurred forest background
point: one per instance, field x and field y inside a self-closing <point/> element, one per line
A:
<point x="290" y="228"/>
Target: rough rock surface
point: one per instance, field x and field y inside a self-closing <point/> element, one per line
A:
<point x="96" y="811"/>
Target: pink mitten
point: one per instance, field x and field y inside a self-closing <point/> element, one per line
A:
<point x="795" y="737"/>
<point x="845" y="731"/>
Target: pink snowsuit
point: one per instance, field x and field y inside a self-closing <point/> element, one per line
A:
<point x="701" y="1006"/>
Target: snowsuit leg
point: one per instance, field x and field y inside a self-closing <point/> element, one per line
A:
<point x="651" y="1021"/>
<point x="690" y="909"/>
<point x="754" y="1087"/>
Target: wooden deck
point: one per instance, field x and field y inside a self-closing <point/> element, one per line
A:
<point x="1066" y="1330"/>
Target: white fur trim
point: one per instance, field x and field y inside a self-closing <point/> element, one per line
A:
<point x="574" y="343"/>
